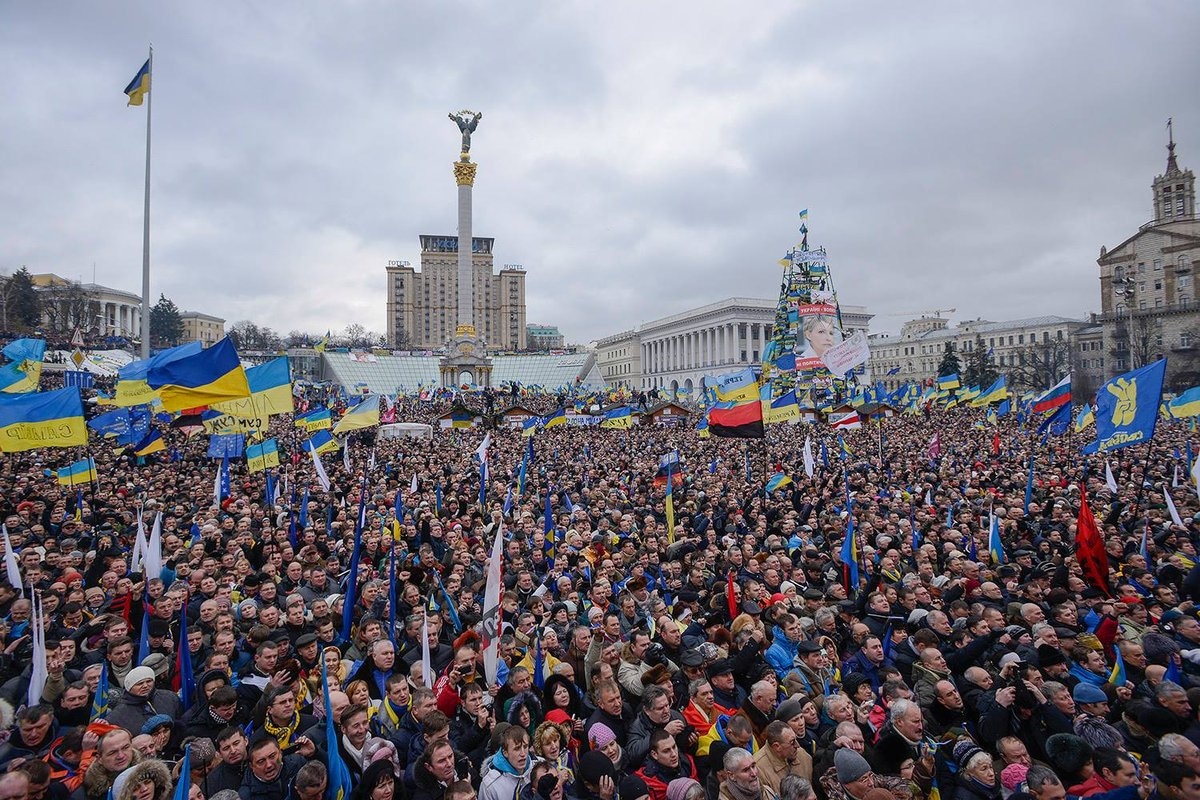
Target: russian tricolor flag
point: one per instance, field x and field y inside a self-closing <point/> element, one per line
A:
<point x="1058" y="395"/>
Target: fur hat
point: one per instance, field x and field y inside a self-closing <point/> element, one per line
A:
<point x="1067" y="753"/>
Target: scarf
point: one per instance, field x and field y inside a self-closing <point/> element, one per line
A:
<point x="283" y="733"/>
<point x="393" y="713"/>
<point x="738" y="793"/>
<point x="355" y="754"/>
<point x="1087" y="676"/>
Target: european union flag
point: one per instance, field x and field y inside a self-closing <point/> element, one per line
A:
<point x="1127" y="407"/>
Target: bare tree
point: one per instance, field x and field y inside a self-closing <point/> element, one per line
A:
<point x="65" y="307"/>
<point x="1137" y="340"/>
<point x="1040" y="365"/>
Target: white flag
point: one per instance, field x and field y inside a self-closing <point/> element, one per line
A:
<point x="1108" y="477"/>
<point x="1196" y="475"/>
<point x="1175" y="479"/>
<point x="139" y="543"/>
<point x="809" y="464"/>
<point x="320" y="468"/>
<point x="491" y="610"/>
<point x="426" y="663"/>
<point x="481" y="451"/>
<point x="38" y="675"/>
<point x="413" y="489"/>
<point x="11" y="566"/>
<point x="153" y="558"/>
<point x="371" y="461"/>
<point x="1171" y="507"/>
<point x="346" y="456"/>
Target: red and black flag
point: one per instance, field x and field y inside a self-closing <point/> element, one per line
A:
<point x="741" y="421"/>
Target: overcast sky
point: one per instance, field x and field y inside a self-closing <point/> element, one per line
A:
<point x="638" y="158"/>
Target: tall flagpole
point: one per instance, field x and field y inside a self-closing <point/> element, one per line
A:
<point x="146" y="224"/>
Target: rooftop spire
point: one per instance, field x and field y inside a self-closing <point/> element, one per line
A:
<point x="1172" y="165"/>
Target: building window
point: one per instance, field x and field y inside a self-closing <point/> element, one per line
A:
<point x="1020" y="340"/>
<point x="1158" y="265"/>
<point x="1141" y="267"/>
<point x="1119" y="273"/>
<point x="1185" y="338"/>
<point x="1158" y="285"/>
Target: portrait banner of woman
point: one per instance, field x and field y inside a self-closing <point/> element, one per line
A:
<point x="818" y="333"/>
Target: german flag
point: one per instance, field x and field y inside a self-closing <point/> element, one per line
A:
<point x="740" y="421"/>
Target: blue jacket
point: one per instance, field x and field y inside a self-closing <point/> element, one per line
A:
<point x="781" y="654"/>
<point x="859" y="663"/>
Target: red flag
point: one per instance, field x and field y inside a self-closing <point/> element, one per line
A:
<point x="731" y="597"/>
<point x="995" y="444"/>
<point x="1089" y="548"/>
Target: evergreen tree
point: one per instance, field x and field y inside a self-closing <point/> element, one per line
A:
<point x="949" y="364"/>
<point x="979" y="370"/>
<point x="166" y="324"/>
<point x="22" y="305"/>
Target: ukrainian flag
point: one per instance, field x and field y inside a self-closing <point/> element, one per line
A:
<point x="140" y="85"/>
<point x="702" y="427"/>
<point x="363" y="415"/>
<point x="262" y="456"/>
<point x="207" y="377"/>
<point x="317" y="419"/>
<point x="25" y="371"/>
<point x="81" y="471"/>
<point x="737" y="387"/>
<point x="557" y="418"/>
<point x="42" y="419"/>
<point x="777" y="481"/>
<point x="132" y="389"/>
<point x="1086" y="417"/>
<point x="270" y="392"/>
<point x="995" y="393"/>
<point x="1117" y="677"/>
<point x="321" y="345"/>
<point x="465" y="419"/>
<point x="322" y="442"/>
<point x="784" y="408"/>
<point x="1186" y="404"/>
<point x="153" y="443"/>
<point x="622" y="418"/>
<point x="530" y="425"/>
<point x="948" y="381"/>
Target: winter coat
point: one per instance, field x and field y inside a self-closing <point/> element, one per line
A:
<point x="499" y="782"/>
<point x="151" y="769"/>
<point x="131" y="713"/>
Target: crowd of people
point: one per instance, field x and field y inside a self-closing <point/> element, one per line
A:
<point x="723" y="652"/>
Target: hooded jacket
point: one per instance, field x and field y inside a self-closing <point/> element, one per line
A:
<point x="151" y="769"/>
<point x="501" y="781"/>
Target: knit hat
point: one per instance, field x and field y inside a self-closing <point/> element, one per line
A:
<point x="1013" y="776"/>
<point x="678" y="788"/>
<point x="788" y="710"/>
<point x="1087" y="693"/>
<point x="632" y="787"/>
<point x="964" y="751"/>
<point x="546" y="785"/>
<point x="850" y="765"/>
<point x="595" y="765"/>
<point x="600" y="736"/>
<point x="157" y="721"/>
<point x="136" y="676"/>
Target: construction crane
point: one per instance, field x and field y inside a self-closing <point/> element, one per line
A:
<point x="937" y="312"/>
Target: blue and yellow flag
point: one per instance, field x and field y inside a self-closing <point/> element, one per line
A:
<point x="140" y="85"/>
<point x="1085" y="418"/>
<point x="100" y="700"/>
<point x="262" y="456"/>
<point x="81" y="471"/>
<point x="995" y="546"/>
<point x="948" y="381"/>
<point x="210" y="376"/>
<point x="995" y="393"/>
<point x="153" y="443"/>
<point x="270" y="392"/>
<point x="322" y="442"/>
<point x="25" y="370"/>
<point x="737" y="387"/>
<point x="557" y="418"/>
<point x="1186" y="404"/>
<point x="1117" y="676"/>
<point x="1127" y="407"/>
<point x="42" y="419"/>
<point x="363" y="415"/>
<point x="619" y="418"/>
<point x="777" y="481"/>
<point x="321" y="345"/>
<point x="784" y="408"/>
<point x="315" y="420"/>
